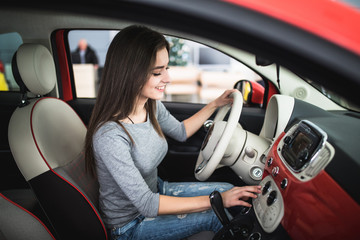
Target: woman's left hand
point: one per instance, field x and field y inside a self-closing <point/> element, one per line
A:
<point x="193" y="123"/>
<point x="224" y="98"/>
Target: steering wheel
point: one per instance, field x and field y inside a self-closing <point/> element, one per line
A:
<point x="218" y="138"/>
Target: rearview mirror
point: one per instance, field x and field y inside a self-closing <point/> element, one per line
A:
<point x="253" y="92"/>
<point x="260" y="61"/>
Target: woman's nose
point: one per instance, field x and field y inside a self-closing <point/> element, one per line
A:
<point x="166" y="78"/>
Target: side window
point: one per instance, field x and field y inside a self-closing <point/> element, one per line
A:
<point x="9" y="43"/>
<point x="88" y="52"/>
<point x="198" y="73"/>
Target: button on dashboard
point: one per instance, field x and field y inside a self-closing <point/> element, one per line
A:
<point x="284" y="183"/>
<point x="271" y="198"/>
<point x="275" y="171"/>
<point x="266" y="188"/>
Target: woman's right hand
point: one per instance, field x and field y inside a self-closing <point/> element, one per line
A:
<point x="237" y="196"/>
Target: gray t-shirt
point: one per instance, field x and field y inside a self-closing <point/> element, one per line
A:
<point x="127" y="172"/>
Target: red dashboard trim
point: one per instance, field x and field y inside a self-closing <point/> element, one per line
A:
<point x="316" y="209"/>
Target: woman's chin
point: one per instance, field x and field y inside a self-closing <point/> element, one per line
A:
<point x="158" y="96"/>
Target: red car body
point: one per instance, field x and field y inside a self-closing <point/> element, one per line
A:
<point x="332" y="20"/>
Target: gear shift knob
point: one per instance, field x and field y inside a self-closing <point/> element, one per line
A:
<point x="218" y="207"/>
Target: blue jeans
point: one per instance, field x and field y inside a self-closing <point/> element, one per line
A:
<point x="174" y="227"/>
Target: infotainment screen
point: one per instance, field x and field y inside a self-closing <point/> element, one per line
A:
<point x="300" y="146"/>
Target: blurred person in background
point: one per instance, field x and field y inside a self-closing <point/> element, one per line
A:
<point x="84" y="54"/>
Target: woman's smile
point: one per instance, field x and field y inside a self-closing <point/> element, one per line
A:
<point x="161" y="88"/>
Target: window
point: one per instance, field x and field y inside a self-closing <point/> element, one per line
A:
<point x="87" y="69"/>
<point x="9" y="43"/>
<point x="198" y="73"/>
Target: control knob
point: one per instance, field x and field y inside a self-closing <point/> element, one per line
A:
<point x="271" y="198"/>
<point x="266" y="187"/>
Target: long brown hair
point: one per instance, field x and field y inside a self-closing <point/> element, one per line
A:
<point x="130" y="57"/>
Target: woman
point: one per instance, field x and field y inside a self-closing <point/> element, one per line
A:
<point x="125" y="143"/>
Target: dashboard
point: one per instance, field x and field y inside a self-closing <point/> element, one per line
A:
<point x="310" y="182"/>
<point x="296" y="191"/>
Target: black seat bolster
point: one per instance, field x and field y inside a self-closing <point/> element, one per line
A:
<point x="62" y="201"/>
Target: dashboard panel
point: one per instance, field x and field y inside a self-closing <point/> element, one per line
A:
<point x="309" y="204"/>
<point x="343" y="133"/>
<point x="310" y="180"/>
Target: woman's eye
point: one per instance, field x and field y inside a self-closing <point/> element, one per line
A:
<point x="159" y="73"/>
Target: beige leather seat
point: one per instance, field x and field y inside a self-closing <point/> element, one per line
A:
<point x="46" y="138"/>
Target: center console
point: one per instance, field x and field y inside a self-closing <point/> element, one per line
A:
<point x="246" y="226"/>
<point x="269" y="205"/>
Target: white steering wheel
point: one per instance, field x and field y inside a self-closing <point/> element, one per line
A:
<point x="218" y="138"/>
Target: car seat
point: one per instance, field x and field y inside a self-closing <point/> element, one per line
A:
<point x="17" y="223"/>
<point x="46" y="138"/>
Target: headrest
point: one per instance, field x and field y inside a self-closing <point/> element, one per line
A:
<point x="34" y="69"/>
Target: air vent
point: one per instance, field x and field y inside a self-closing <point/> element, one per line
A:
<point x="320" y="162"/>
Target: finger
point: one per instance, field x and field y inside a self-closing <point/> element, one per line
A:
<point x="244" y="194"/>
<point x="243" y="203"/>
<point x="227" y="93"/>
<point x="254" y="189"/>
<point x="231" y="91"/>
<point x="247" y="195"/>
